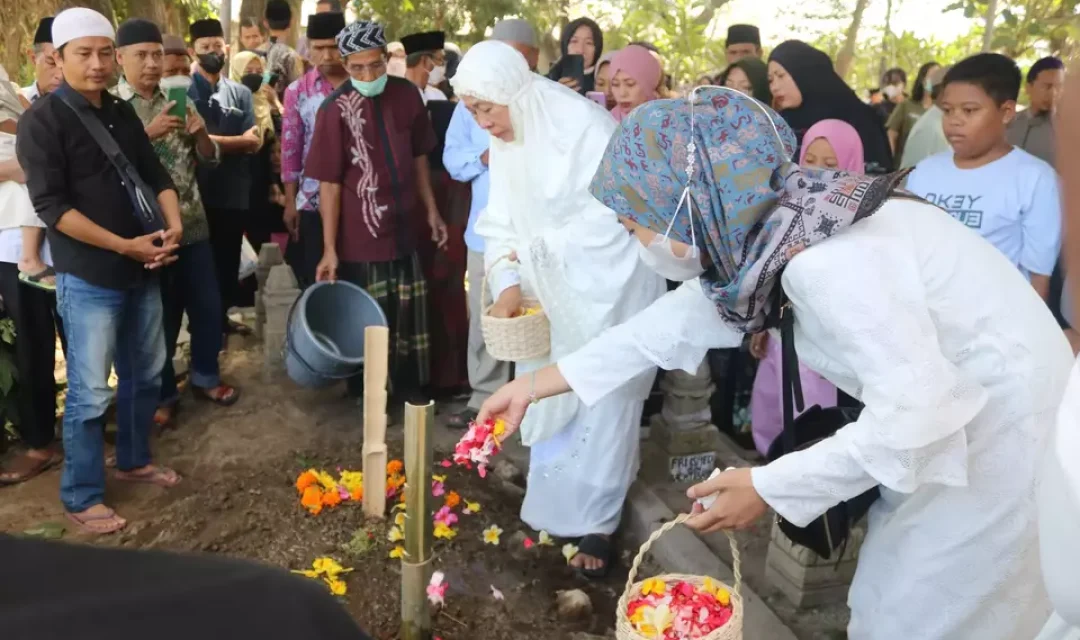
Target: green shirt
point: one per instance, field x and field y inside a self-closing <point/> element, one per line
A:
<point x="902" y="121"/>
<point x="179" y="153"/>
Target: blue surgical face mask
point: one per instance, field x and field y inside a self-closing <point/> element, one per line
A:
<point x="370" y="89"/>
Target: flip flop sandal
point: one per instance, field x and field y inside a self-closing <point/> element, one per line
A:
<point x="30" y="468"/>
<point x="227" y="399"/>
<point x="159" y="476"/>
<point x="35" y="280"/>
<point x="600" y="548"/>
<point x="85" y="522"/>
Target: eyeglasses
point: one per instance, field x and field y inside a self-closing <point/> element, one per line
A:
<point x="374" y="68"/>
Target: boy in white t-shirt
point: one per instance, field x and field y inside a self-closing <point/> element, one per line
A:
<point x="1007" y="195"/>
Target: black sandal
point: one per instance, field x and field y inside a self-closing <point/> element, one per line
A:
<point x="35" y="279"/>
<point x="598" y="547"/>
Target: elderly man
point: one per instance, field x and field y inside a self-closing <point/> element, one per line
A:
<point x="466" y="159"/>
<point x="228" y="110"/>
<point x="369" y="153"/>
<point x="302" y="101"/>
<point x="190" y="284"/>
<point x="425" y="62"/>
<point x="177" y="60"/>
<point x="743" y="41"/>
<point x="108" y="242"/>
<point x="47" y="75"/>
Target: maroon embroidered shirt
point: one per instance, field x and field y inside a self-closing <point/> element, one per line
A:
<point x="368" y="146"/>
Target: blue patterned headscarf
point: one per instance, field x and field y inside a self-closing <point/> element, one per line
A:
<point x="753" y="207"/>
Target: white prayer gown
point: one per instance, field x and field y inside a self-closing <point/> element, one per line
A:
<point x="961" y="368"/>
<point x="575" y="257"/>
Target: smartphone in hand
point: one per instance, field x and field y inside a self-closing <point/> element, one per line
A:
<point x="598" y="97"/>
<point x="573" y="66"/>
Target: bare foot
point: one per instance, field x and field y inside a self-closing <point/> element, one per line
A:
<point x="151" y="474"/>
<point x="98" y="519"/>
<point x="33" y="266"/>
<point x="587" y="562"/>
<point x="29" y="464"/>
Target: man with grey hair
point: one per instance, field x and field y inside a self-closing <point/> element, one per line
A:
<point x="466" y="159"/>
<point x="47" y="74"/>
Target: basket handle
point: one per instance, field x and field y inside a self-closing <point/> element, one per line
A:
<point x="485" y="293"/>
<point x="736" y="560"/>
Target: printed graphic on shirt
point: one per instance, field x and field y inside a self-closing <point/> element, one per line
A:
<point x="963" y="207"/>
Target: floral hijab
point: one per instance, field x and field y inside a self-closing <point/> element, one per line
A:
<point x="754" y="209"/>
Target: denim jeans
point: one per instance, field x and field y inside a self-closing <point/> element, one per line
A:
<point x="190" y="284"/>
<point x="121" y="327"/>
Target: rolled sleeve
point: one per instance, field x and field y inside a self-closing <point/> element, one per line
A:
<point x="40" y="149"/>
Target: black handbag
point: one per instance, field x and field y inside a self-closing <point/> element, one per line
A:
<point x="144" y="202"/>
<point x="830" y="531"/>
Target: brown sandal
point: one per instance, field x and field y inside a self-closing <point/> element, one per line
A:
<point x="158" y="476"/>
<point x="26" y="467"/>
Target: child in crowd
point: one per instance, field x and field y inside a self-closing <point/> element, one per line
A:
<point x="1007" y="195"/>
<point x="829" y="144"/>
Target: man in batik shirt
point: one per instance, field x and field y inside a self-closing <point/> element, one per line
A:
<point x="302" y="101"/>
<point x="191" y="283"/>
<point x="369" y="153"/>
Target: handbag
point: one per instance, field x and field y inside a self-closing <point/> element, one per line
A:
<point x="831" y="530"/>
<point x="143" y="199"/>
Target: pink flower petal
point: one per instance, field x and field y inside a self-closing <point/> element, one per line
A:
<point x="446" y="464"/>
<point x="529" y="543"/>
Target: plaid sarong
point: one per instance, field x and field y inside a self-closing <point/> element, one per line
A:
<point x="400" y="289"/>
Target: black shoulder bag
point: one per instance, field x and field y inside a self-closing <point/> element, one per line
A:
<point x="830" y="531"/>
<point x="143" y="199"/>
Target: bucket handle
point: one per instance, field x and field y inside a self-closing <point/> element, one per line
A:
<point x="287" y="349"/>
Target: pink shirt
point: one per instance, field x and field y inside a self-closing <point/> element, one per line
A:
<point x="302" y="101"/>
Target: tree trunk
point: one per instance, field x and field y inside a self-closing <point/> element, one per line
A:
<point x="991" y="16"/>
<point x="104" y="7"/>
<point x="847" y="52"/>
<point x="253" y="9"/>
<point x="885" y="39"/>
<point x="155" y="11"/>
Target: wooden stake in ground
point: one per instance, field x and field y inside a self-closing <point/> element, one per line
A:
<point x="416" y="565"/>
<point x="376" y="361"/>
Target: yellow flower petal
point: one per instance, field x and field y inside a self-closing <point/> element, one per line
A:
<point x="395" y="535"/>
<point x="399" y="520"/>
<point x="397" y="552"/>
<point x="500" y="425"/>
<point x="438" y="478"/>
<point x="723" y="596"/>
<point x="653" y="586"/>
<point x="337" y="587"/>
<point x="491" y="534"/>
<point x="443" y="531"/>
<point x="307" y="573"/>
<point x="545" y="539"/>
<point x="398" y="507"/>
<point x="569" y="551"/>
<point x="472" y="507"/>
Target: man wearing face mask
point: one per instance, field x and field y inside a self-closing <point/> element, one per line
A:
<point x="227" y="108"/>
<point x="396" y="65"/>
<point x="182" y="144"/>
<point x="425" y="62"/>
<point x="369" y="153"/>
<point x="893" y="84"/>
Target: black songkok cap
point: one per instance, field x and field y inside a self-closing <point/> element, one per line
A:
<point x="325" y="26"/>
<point x="208" y="28"/>
<point x="742" y="34"/>
<point x="43" y="35"/>
<point x="427" y="41"/>
<point x="278" y="10"/>
<point x="137" y="31"/>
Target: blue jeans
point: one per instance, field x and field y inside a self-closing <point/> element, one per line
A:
<point x="121" y="327"/>
<point x="190" y="284"/>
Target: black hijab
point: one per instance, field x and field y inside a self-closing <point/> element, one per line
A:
<point x="826" y="96"/>
<point x="568" y="32"/>
<point x="758" y="73"/>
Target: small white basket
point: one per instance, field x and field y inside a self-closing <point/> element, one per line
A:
<point x="514" y="339"/>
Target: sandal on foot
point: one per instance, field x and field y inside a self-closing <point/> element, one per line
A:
<point x="222" y="395"/>
<point x="158" y="476"/>
<point x="461" y="419"/>
<point x="26" y="467"/>
<point x="101" y="524"/>
<point x="600" y="548"/>
<point x="37" y="279"/>
<point x="164" y="416"/>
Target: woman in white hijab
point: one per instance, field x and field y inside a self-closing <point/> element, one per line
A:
<point x="571" y="254"/>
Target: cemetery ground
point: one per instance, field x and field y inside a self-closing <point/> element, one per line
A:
<point x="238" y="498"/>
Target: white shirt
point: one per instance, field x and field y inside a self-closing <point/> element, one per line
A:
<point x="961" y="368"/>
<point x="11" y="247"/>
<point x="30" y="92"/>
<point x="432" y="93"/>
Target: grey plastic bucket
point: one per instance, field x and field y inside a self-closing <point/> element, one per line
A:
<point x="324" y="341"/>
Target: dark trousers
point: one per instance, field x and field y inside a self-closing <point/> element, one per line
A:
<point x="311" y="247"/>
<point x="33" y="312"/>
<point x="226" y="234"/>
<point x="190" y="284"/>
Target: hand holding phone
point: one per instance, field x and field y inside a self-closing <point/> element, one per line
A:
<point x="573" y="68"/>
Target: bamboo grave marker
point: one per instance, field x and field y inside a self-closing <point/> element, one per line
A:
<point x="416" y="567"/>
<point x="376" y="363"/>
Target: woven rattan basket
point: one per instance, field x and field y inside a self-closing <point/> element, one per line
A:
<point x="624" y="630"/>
<point x="514" y="339"/>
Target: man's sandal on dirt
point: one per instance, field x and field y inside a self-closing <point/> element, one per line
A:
<point x="26" y="467"/>
<point x="102" y="523"/>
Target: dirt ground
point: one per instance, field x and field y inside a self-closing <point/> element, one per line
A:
<point x="238" y="499"/>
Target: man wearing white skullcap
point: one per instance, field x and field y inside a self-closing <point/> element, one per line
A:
<point x="108" y="243"/>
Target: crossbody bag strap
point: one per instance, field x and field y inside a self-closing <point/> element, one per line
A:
<point x="146" y="208"/>
<point x="791" y="384"/>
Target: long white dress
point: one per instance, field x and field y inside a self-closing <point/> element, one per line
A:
<point x="961" y="368"/>
<point x="575" y="257"/>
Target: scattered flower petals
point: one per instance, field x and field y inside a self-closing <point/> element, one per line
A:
<point x="337" y="587"/>
<point x="453" y="499"/>
<point x="395" y="535"/>
<point x="491" y="534"/>
<point x="436" y="589"/>
<point x="478" y="444"/>
<point x="438" y="478"/>
<point x="328" y="570"/>
<point x="498" y="595"/>
<point x="529" y="543"/>
<point x="395" y="468"/>
<point x="569" y="551"/>
<point x="437" y="488"/>
<point x="654" y="586"/>
<point x="398" y="507"/>
<point x="446" y="516"/>
<point x="446" y="464"/>
<point x="545" y="539"/>
<point x="397" y="552"/>
<point x="471" y="508"/>
<point x="399" y="520"/>
<point x="679" y="610"/>
<point x="443" y="531"/>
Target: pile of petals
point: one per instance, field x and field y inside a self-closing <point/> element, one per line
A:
<point x="318" y="489"/>
<point x="679" y="611"/>
<point x="329" y="571"/>
<point x="478" y="444"/>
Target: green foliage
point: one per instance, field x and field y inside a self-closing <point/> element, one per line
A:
<point x="8" y="372"/>
<point x="680" y="29"/>
<point x="1027" y="28"/>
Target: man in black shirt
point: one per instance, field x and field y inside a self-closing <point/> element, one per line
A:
<point x="107" y="284"/>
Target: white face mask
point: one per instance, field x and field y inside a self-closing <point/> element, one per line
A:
<point x="660" y="256"/>
<point x="437" y="75"/>
<point x="396" y="67"/>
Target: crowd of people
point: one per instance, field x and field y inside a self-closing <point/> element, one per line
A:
<point x="139" y="163"/>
